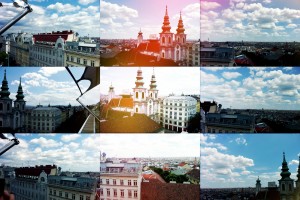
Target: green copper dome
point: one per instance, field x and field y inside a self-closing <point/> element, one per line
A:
<point x="285" y="169"/>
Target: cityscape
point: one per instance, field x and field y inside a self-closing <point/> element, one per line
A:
<point x="250" y="166"/>
<point x="43" y="100"/>
<point x="51" y="166"/>
<point x="249" y="33"/>
<point x="48" y="35"/>
<point x="148" y="100"/>
<point x="148" y="39"/>
<point x="249" y="99"/>
<point x="152" y="168"/>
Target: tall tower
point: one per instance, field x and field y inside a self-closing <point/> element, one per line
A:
<point x="286" y="184"/>
<point x="19" y="104"/>
<point x="139" y="97"/>
<point x="111" y="93"/>
<point x="153" y="105"/>
<point x="180" y="40"/>
<point x="5" y="104"/>
<point x="258" y="186"/>
<point x="166" y="38"/>
<point x="139" y="38"/>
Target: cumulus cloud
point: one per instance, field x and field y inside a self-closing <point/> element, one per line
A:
<point x="231" y="75"/>
<point x="59" y="7"/>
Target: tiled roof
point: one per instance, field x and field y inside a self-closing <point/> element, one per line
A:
<point x="165" y="191"/>
<point x="194" y="173"/>
<point x="150" y="46"/>
<point x="121" y="102"/>
<point x="34" y="171"/>
<point x="138" y="123"/>
<point x="154" y="177"/>
<point x="51" y="37"/>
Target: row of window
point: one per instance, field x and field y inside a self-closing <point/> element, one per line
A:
<point x="78" y="60"/>
<point x="67" y="195"/>
<point x="114" y="182"/>
<point x="45" y="58"/>
<point x="43" y="50"/>
<point x="175" y="123"/>
<point x="212" y="130"/>
<point x="121" y="193"/>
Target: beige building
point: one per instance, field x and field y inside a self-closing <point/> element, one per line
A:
<point x="82" y="54"/>
<point x="120" y="179"/>
<point x="193" y="53"/>
<point x="19" y="48"/>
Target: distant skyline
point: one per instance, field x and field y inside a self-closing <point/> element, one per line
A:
<point x="123" y="19"/>
<point x="150" y="145"/>
<point x="71" y="152"/>
<point x="81" y="16"/>
<point x="252" y="87"/>
<point x="49" y="85"/>
<point x="250" y="20"/>
<point x="169" y="80"/>
<point x="236" y="160"/>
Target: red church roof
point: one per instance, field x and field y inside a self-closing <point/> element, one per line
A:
<point x="34" y="171"/>
<point x="121" y="102"/>
<point x="52" y="37"/>
<point x="150" y="46"/>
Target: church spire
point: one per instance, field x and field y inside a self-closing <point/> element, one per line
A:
<point x="166" y="24"/>
<point x="20" y="95"/>
<point x="4" y="89"/>
<point x="285" y="169"/>
<point x="298" y="175"/>
<point x="139" y="83"/>
<point x="180" y="28"/>
<point x="153" y="81"/>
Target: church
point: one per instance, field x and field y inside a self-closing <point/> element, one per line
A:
<point x="143" y="101"/>
<point x="287" y="189"/>
<point x="169" y="45"/>
<point x="12" y="118"/>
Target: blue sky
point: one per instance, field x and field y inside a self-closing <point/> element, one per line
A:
<point x="123" y="19"/>
<point x="169" y="80"/>
<point x="250" y="20"/>
<point x="47" y="85"/>
<point x="81" y="16"/>
<point x="74" y="152"/>
<point x="236" y="160"/>
<point x="252" y="87"/>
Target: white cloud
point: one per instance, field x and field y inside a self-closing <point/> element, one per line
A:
<point x="49" y="71"/>
<point x="59" y="7"/>
<point x="45" y="143"/>
<point x="207" y="5"/>
<point x="231" y="75"/>
<point x="86" y="2"/>
<point x="68" y="138"/>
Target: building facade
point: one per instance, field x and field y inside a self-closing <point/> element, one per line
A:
<point x="19" y="48"/>
<point x="45" y="119"/>
<point x="12" y="118"/>
<point x="120" y="179"/>
<point x="75" y="188"/>
<point x="177" y="110"/>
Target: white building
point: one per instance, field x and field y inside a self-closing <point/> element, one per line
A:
<point x="120" y="179"/>
<point x="177" y="110"/>
<point x="45" y="119"/>
<point x="193" y="51"/>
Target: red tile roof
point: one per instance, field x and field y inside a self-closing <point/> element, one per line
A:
<point x="34" y="171"/>
<point x="154" y="177"/>
<point x="181" y="164"/>
<point x="150" y="46"/>
<point x="51" y="37"/>
<point x="166" y="191"/>
<point x="121" y="102"/>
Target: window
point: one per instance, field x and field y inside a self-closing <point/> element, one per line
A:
<point x="87" y="198"/>
<point x="129" y="193"/>
<point x="115" y="193"/>
<point x="122" y="193"/>
<point x="129" y="182"/>
<point x="136" y="95"/>
<point x="122" y="182"/>
<point x="114" y="182"/>
<point x="50" y="192"/>
<point x="135" y="182"/>
<point x="93" y="63"/>
<point x="66" y="195"/>
<point x="72" y="59"/>
<point x="135" y="193"/>
<point x="81" y="197"/>
<point x="54" y="192"/>
<point x="60" y="193"/>
<point x="84" y="61"/>
<point x="101" y="191"/>
<point x="163" y="40"/>
<point x="78" y="60"/>
<point x="108" y="192"/>
<point x="8" y="107"/>
<point x="283" y="187"/>
<point x="107" y="181"/>
<point x="73" y="196"/>
<point x="143" y="95"/>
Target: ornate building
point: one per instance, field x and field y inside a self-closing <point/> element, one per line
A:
<point x="286" y="184"/>
<point x="169" y="45"/>
<point x="11" y="118"/>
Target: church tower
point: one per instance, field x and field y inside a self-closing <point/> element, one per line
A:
<point x="111" y="93"/>
<point x="153" y="105"/>
<point x="166" y="38"/>
<point x="258" y="186"/>
<point x="19" y="105"/>
<point x="139" y="38"/>
<point x="139" y="97"/>
<point x="286" y="184"/>
<point x="5" y="104"/>
<point x="180" y="42"/>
